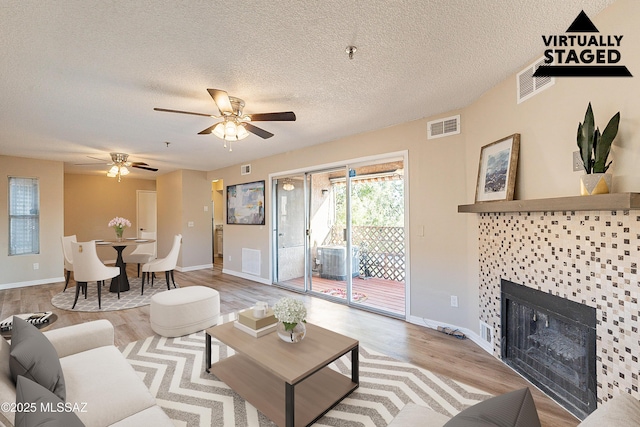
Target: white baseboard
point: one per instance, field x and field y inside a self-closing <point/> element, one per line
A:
<point x="247" y="276"/>
<point x="32" y="283"/>
<point x="195" y="267"/>
<point x="433" y="324"/>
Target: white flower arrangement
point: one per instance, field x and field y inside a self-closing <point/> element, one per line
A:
<point x="290" y="312"/>
<point x="119" y="223"/>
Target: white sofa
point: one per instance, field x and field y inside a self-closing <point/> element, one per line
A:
<point x="97" y="377"/>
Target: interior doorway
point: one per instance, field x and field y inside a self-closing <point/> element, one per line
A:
<point x="340" y="234"/>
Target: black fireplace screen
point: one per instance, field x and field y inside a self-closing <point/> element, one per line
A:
<point x="552" y="342"/>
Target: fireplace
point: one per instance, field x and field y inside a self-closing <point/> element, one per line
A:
<point x="551" y="341"/>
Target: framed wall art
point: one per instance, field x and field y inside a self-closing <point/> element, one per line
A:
<point x="497" y="169"/>
<point x="245" y="203"/>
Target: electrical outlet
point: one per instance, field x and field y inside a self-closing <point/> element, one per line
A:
<point x="578" y="165"/>
<point x="454" y="301"/>
<point x="36" y="266"/>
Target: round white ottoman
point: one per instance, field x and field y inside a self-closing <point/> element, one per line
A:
<point x="183" y="311"/>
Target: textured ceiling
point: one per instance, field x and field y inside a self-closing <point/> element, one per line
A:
<point x="80" y="78"/>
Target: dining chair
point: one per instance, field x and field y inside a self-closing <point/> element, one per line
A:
<point x="68" y="259"/>
<point x="143" y="253"/>
<point x="166" y="264"/>
<point x="87" y="267"/>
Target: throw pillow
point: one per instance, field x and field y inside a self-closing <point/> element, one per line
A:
<point x="514" y="409"/>
<point x="622" y="410"/>
<point x="33" y="356"/>
<point x="38" y="407"/>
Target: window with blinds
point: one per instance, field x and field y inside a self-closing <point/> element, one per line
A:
<point x="24" y="216"/>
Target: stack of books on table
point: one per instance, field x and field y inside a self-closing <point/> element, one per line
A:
<point x="256" y="326"/>
<point x="33" y="318"/>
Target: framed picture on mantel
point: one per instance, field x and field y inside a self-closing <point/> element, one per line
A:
<point x="497" y="169"/>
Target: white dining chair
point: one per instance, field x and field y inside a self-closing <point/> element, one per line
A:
<point x="143" y="253"/>
<point x="166" y="264"/>
<point x="87" y="267"/>
<point x="68" y="258"/>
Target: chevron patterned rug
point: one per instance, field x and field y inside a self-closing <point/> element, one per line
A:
<point x="173" y="369"/>
<point x="109" y="300"/>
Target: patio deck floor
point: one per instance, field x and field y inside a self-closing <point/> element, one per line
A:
<point x="381" y="294"/>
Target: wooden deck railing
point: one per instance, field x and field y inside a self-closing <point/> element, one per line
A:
<point x="381" y="250"/>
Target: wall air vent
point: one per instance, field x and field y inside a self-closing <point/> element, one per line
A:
<point x="245" y="169"/>
<point x="486" y="333"/>
<point x="528" y="85"/>
<point x="443" y="127"/>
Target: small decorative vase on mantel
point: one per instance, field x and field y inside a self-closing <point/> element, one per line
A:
<point x="594" y="151"/>
<point x="595" y="183"/>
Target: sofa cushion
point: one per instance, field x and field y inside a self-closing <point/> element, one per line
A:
<point x="621" y="411"/>
<point x="109" y="385"/>
<point x="514" y="409"/>
<point x="42" y="408"/>
<point x="7" y="386"/>
<point x="33" y="356"/>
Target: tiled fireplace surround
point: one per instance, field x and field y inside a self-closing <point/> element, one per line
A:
<point x="589" y="257"/>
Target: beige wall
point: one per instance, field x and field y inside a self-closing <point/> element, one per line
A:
<point x="219" y="207"/>
<point x="90" y="202"/>
<point x="182" y="197"/>
<point x="18" y="270"/>
<point x="443" y="172"/>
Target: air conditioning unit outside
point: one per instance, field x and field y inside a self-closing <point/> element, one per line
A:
<point x="333" y="262"/>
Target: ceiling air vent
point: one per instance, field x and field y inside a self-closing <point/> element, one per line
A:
<point x="245" y="169"/>
<point x="443" y="127"/>
<point x="528" y="85"/>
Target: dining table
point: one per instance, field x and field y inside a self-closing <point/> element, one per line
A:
<point x="121" y="281"/>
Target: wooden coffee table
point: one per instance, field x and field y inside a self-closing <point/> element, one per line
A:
<point x="289" y="383"/>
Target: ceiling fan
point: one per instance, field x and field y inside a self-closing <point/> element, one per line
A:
<point x="120" y="164"/>
<point x="235" y="124"/>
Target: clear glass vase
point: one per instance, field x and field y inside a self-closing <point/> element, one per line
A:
<point x="294" y="335"/>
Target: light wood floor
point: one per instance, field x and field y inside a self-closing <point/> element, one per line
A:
<point x="459" y="359"/>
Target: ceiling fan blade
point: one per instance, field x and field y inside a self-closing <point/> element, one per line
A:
<point x="285" y="116"/>
<point x="258" y="131"/>
<point x="139" y="166"/>
<point x="97" y="158"/>
<point x="183" y="112"/>
<point x="208" y="130"/>
<point x="221" y="98"/>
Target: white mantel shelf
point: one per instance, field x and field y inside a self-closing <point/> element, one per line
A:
<point x="600" y="202"/>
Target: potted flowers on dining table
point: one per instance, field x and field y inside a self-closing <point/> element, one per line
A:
<point x="291" y="314"/>
<point x="119" y="224"/>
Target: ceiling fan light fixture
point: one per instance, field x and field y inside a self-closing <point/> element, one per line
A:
<point x="242" y="132"/>
<point x="230" y="129"/>
<point x="124" y="170"/>
<point x="113" y="171"/>
<point x="218" y="130"/>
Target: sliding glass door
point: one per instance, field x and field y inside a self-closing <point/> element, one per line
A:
<point x="339" y="234"/>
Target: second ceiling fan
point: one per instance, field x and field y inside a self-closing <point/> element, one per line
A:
<point x="235" y="125"/>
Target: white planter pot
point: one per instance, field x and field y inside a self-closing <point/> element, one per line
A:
<point x="595" y="183"/>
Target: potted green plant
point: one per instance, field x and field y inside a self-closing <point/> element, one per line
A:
<point x="594" y="151"/>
